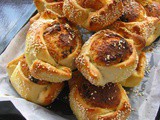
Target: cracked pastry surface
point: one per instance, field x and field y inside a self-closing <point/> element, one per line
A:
<point x="51" y="48"/>
<point x="97" y="103"/>
<point x="104" y="53"/>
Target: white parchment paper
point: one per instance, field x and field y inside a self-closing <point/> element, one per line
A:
<point x="145" y="99"/>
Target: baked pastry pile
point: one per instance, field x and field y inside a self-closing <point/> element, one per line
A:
<point x="96" y="70"/>
<point x="52" y="45"/>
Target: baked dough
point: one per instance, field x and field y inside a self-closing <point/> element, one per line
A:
<point x="29" y="88"/>
<point x="137" y="76"/>
<point x="89" y="102"/>
<point x="135" y="22"/>
<point x="93" y="15"/>
<point x="54" y="6"/>
<point x="107" y="57"/>
<point x="51" y="49"/>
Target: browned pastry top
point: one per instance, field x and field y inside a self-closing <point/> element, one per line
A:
<point x="153" y="9"/>
<point x="50" y="1"/>
<point x="93" y="15"/>
<point x="132" y="11"/>
<point x="60" y="40"/>
<point x="92" y="4"/>
<point x="54" y="6"/>
<point x="109" y="49"/>
<point x="27" y="73"/>
<point x="108" y="96"/>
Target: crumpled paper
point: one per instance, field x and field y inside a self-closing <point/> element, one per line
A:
<point x="145" y="99"/>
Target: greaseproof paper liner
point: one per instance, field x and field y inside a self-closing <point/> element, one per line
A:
<point x="145" y="99"/>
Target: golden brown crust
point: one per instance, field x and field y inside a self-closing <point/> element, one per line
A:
<point x="133" y="11"/>
<point x="55" y="6"/>
<point x="153" y="9"/>
<point x="48" y="15"/>
<point x="51" y="47"/>
<point x="138" y="74"/>
<point x="110" y="49"/>
<point x="93" y="15"/>
<point x="142" y="33"/>
<point x="94" y="4"/>
<point x="115" y="103"/>
<point x="39" y="69"/>
<point x="124" y="29"/>
<point x="34" y="90"/>
<point x="100" y="96"/>
<point x="143" y="30"/>
<point x="144" y="2"/>
<point x="96" y="71"/>
<point x="12" y="65"/>
<point x="60" y="40"/>
<point x="34" y="18"/>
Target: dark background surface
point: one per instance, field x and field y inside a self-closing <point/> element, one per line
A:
<point x="9" y="112"/>
<point x="14" y="14"/>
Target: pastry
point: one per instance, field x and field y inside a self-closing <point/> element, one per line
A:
<point x="34" y="18"/>
<point x="54" y="6"/>
<point x="93" y="15"/>
<point x="107" y="57"/>
<point x="44" y="15"/>
<point x="34" y="90"/>
<point x="137" y="76"/>
<point x="144" y="2"/>
<point x="89" y="102"/>
<point x="51" y="48"/>
<point x="135" y="22"/>
<point x="113" y="57"/>
<point x="152" y="7"/>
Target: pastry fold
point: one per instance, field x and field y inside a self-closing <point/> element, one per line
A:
<point x="153" y="8"/>
<point x="138" y="74"/>
<point x="54" y="6"/>
<point x="51" y="48"/>
<point x="89" y="102"/>
<point x="93" y="15"/>
<point x="137" y="25"/>
<point x="107" y="57"/>
<point x="34" y="90"/>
